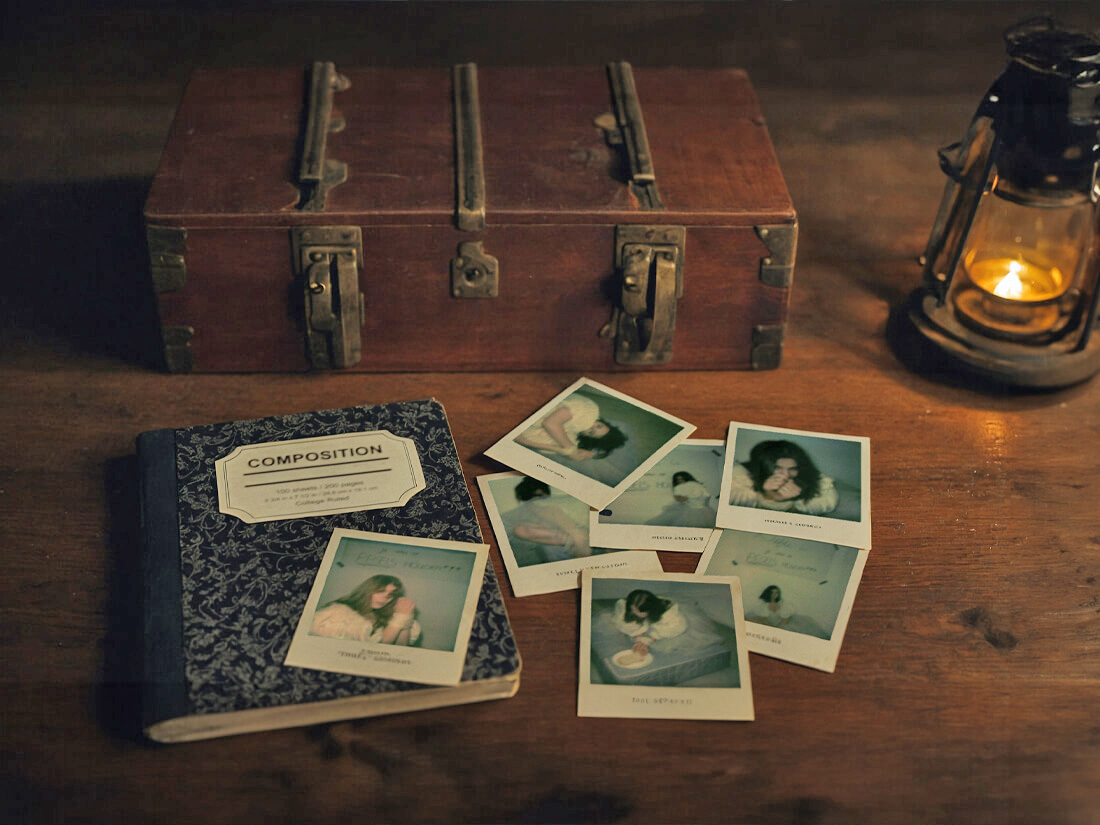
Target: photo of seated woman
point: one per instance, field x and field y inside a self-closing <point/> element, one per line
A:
<point x="538" y="526"/>
<point x="801" y="484"/>
<point x="590" y="441"/>
<point x="798" y="593"/>
<point x="663" y="645"/>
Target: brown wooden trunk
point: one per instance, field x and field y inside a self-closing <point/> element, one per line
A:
<point x="555" y="191"/>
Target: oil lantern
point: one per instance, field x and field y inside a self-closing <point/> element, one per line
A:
<point x="1012" y="265"/>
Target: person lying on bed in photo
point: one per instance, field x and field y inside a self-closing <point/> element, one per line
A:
<point x="376" y="611"/>
<point x="573" y="429"/>
<point x="779" y="475"/>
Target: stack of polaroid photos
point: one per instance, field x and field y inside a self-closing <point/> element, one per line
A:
<point x="780" y="519"/>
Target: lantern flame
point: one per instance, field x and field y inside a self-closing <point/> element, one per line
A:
<point x="1011" y="286"/>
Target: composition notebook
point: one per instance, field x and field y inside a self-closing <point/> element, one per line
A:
<point x="223" y="595"/>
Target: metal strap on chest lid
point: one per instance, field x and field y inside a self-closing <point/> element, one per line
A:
<point x="474" y="272"/>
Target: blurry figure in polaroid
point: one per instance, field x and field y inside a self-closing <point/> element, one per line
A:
<point x="651" y="620"/>
<point x="780" y="475"/>
<point x="690" y="505"/>
<point x="573" y="429"/>
<point x="772" y="608"/>
<point x="376" y="611"/>
<point x="541" y="529"/>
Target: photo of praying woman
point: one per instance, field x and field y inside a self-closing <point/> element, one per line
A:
<point x="376" y="611"/>
<point x="375" y="592"/>
<point x="780" y="475"/>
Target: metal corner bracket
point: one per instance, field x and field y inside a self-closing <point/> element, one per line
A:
<point x="767" y="346"/>
<point x="178" y="357"/>
<point x="777" y="269"/>
<point x="167" y="266"/>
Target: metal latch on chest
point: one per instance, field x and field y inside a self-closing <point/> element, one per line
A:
<point x="327" y="260"/>
<point x="650" y="260"/>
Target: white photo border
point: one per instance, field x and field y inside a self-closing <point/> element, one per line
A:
<point x="645" y="702"/>
<point x="554" y="576"/>
<point x="407" y="664"/>
<point x="649" y="537"/>
<point x="790" y="523"/>
<point x="787" y="645"/>
<point x="592" y="492"/>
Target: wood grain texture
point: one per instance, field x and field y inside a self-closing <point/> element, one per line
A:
<point x="967" y="685"/>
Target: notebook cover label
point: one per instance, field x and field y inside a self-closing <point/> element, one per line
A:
<point x="318" y="476"/>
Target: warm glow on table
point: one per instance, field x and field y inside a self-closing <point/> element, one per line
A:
<point x="1017" y="280"/>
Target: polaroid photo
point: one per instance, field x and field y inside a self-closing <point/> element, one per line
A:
<point x="663" y="646"/>
<point x="392" y="607"/>
<point x="591" y="442"/>
<point x="798" y="593"/>
<point x="543" y="536"/>
<point x="799" y="484"/>
<point x="674" y="506"/>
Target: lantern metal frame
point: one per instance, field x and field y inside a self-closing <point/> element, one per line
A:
<point x="1064" y="69"/>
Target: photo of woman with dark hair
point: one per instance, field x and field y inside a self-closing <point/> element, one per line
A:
<point x="376" y="611"/>
<point x="661" y="624"/>
<point x="690" y="505"/>
<point x="772" y="608"/>
<point x="573" y="429"/>
<point x="646" y="617"/>
<point x="780" y="475"/>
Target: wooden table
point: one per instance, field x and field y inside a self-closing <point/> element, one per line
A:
<point x="968" y="685"/>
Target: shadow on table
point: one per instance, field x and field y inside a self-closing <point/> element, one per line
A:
<point x="117" y="700"/>
<point x="78" y="269"/>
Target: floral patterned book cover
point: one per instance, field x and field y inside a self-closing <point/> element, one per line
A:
<point x="223" y="595"/>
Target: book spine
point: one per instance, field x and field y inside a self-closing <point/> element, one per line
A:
<point x="164" y="690"/>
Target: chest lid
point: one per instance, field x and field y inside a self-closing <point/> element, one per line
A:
<point x="569" y="145"/>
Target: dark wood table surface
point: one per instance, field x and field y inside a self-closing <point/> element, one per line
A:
<point x="968" y="686"/>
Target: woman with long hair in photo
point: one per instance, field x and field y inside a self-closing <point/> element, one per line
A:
<point x="780" y="475"/>
<point x="376" y="611"/>
<point x="573" y="429"/>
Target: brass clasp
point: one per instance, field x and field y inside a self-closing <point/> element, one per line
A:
<point x="327" y="259"/>
<point x="650" y="260"/>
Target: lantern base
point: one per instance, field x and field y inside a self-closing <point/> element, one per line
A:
<point x="926" y="333"/>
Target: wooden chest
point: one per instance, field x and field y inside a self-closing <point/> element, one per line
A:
<point x="497" y="218"/>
